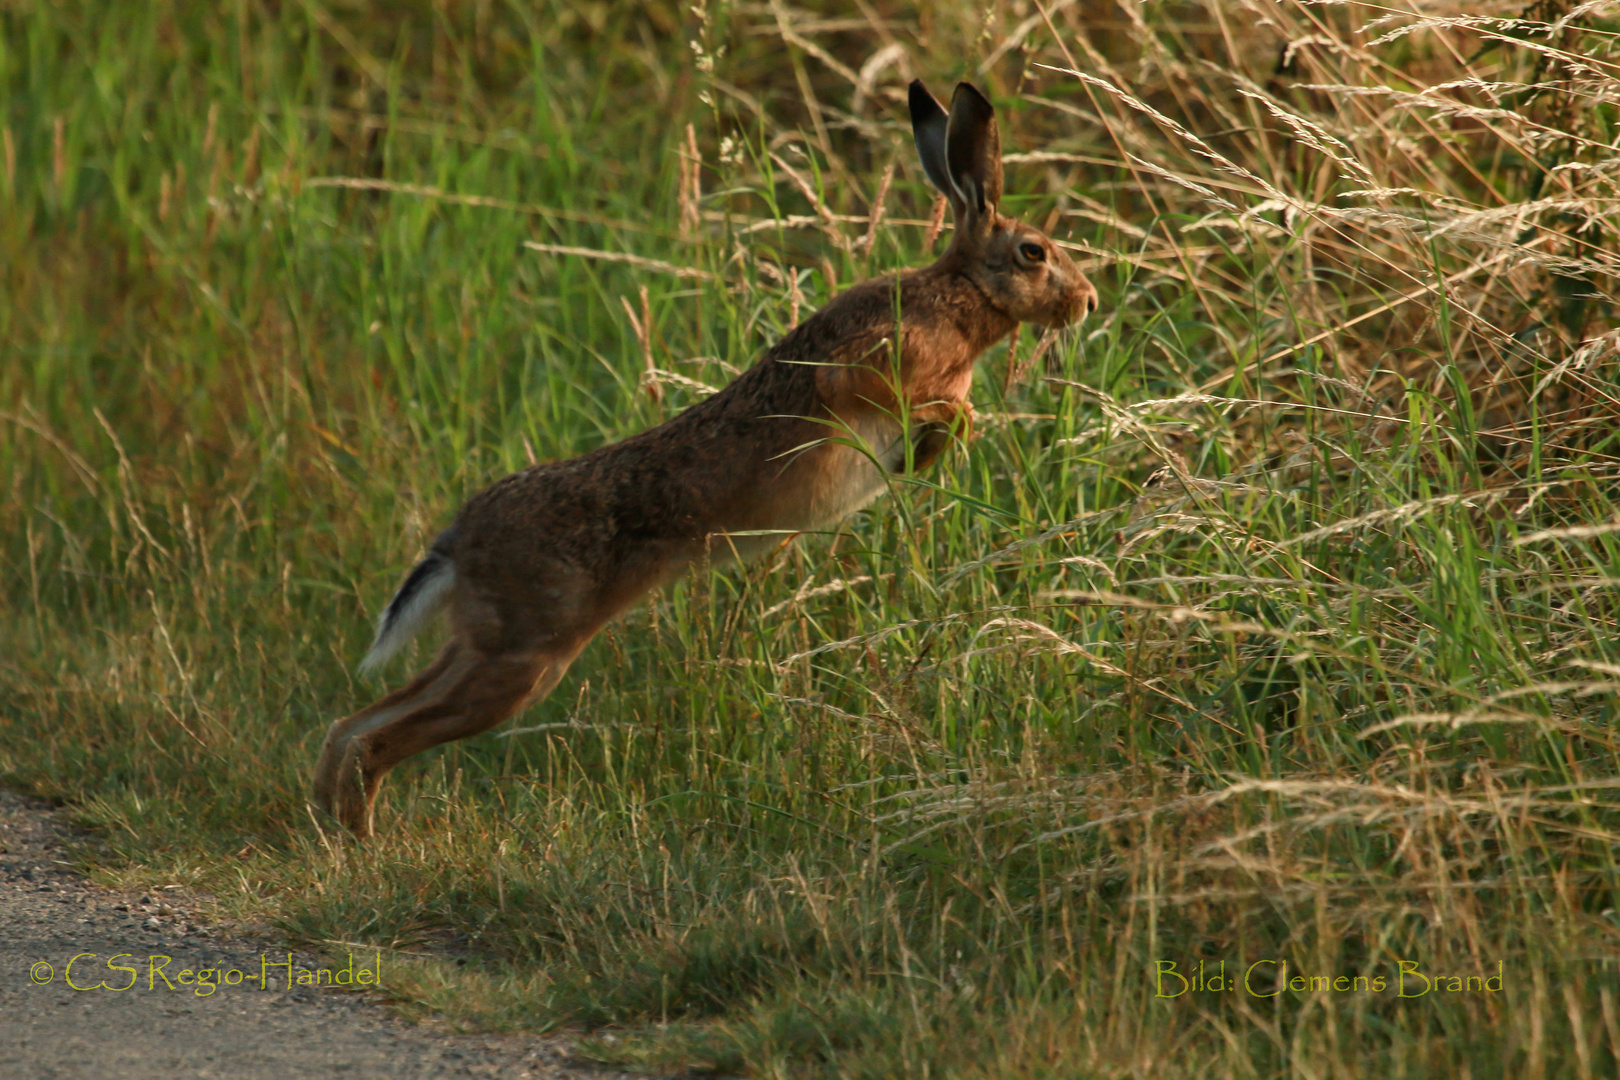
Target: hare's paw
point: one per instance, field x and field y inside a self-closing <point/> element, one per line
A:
<point x="928" y="443"/>
<point x="949" y="413"/>
<point x="934" y="428"/>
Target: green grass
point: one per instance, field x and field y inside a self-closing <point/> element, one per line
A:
<point x="1135" y="678"/>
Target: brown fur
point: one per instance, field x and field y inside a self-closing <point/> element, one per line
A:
<point x="545" y="557"/>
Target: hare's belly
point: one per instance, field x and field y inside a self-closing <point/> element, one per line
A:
<point x="847" y="477"/>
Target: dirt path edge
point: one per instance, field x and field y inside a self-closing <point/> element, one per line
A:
<point x="123" y="1010"/>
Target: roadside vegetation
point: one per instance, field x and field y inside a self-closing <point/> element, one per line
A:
<point x="1269" y="619"/>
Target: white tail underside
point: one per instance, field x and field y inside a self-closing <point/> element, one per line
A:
<point x="396" y="626"/>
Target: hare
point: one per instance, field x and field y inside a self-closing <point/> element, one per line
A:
<point x="874" y="383"/>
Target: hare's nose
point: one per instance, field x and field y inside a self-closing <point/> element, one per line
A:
<point x="1088" y="298"/>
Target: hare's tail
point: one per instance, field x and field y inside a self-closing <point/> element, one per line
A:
<point x="418" y="600"/>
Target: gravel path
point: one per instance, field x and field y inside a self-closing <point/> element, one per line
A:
<point x="50" y="1030"/>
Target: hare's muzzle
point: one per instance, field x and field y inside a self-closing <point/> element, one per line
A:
<point x="1087" y="302"/>
<point x="1079" y="298"/>
<point x="1076" y="298"/>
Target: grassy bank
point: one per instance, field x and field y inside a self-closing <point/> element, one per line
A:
<point x="1270" y="619"/>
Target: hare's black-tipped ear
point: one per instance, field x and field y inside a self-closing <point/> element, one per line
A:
<point x="928" y="126"/>
<point x="973" y="149"/>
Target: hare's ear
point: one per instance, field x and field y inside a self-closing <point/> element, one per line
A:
<point x="973" y="150"/>
<point x="928" y="127"/>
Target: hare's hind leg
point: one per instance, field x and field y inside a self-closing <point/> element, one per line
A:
<point x="337" y="788"/>
<point x="464" y="693"/>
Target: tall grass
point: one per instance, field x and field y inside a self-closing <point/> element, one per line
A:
<point x="1270" y="620"/>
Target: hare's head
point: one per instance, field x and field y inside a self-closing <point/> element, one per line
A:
<point x="1018" y="267"/>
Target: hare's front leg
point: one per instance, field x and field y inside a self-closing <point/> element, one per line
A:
<point x="934" y="426"/>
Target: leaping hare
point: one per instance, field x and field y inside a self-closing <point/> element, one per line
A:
<point x="875" y="381"/>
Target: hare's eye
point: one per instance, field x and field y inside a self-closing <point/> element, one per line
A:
<point x="1032" y="252"/>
